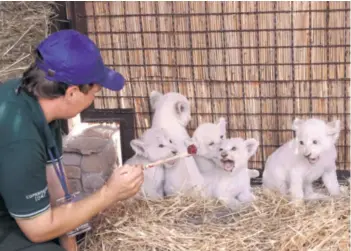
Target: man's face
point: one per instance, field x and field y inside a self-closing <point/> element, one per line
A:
<point x="77" y="101"/>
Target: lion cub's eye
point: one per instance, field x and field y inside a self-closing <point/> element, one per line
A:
<point x="314" y="142"/>
<point x="220" y="149"/>
<point x="211" y="144"/>
<point x="301" y="142"/>
<point x="222" y="136"/>
<point x="234" y="148"/>
<point x="170" y="141"/>
<point x="160" y="145"/>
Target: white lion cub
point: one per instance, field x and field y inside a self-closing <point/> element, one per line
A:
<point x="231" y="181"/>
<point x="207" y="137"/>
<point x="293" y="167"/>
<point x="172" y="113"/>
<point x="153" y="145"/>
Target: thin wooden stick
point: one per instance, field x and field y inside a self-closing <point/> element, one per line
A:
<point x="190" y="151"/>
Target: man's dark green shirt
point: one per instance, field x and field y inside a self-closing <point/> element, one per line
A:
<point x="24" y="138"/>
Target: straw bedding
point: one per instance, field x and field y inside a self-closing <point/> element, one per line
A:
<point x="185" y="223"/>
<point x="22" y="26"/>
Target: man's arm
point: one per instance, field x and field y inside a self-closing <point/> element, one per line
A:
<point x="123" y="183"/>
<point x="24" y="188"/>
<point x="57" y="221"/>
<point x="56" y="192"/>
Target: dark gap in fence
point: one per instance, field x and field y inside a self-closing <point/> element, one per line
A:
<point x="239" y="98"/>
<point x="310" y="54"/>
<point x="208" y="62"/>
<point x="98" y="45"/>
<point x="113" y="55"/>
<point x="214" y="31"/>
<point x="227" y="47"/>
<point x="192" y="58"/>
<point x="292" y="57"/>
<point x="144" y="58"/>
<point x="276" y="72"/>
<point x="259" y="87"/>
<point x="228" y="119"/>
<point x="265" y="113"/>
<point x="240" y="81"/>
<point x="242" y="66"/>
<point x="128" y="61"/>
<point x="174" y="47"/>
<point x="328" y="57"/>
<point x="158" y="46"/>
<point x="124" y="117"/>
<point x="217" y="13"/>
<point x="221" y="65"/>
<point x="346" y="83"/>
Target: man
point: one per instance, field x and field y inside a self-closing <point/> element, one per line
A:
<point x="67" y="73"/>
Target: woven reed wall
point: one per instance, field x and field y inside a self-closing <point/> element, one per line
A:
<point x="259" y="64"/>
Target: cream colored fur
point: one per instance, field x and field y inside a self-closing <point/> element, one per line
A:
<point x="208" y="137"/>
<point x="230" y="180"/>
<point x="155" y="144"/>
<point x="312" y="154"/>
<point x="172" y="113"/>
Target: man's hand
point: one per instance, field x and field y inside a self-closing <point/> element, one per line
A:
<point x="125" y="182"/>
<point x="55" y="222"/>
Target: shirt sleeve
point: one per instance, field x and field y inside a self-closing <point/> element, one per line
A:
<point x="23" y="184"/>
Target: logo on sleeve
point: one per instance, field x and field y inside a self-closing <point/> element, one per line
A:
<point x="38" y="195"/>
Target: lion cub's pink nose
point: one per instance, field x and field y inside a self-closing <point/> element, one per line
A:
<point x="224" y="154"/>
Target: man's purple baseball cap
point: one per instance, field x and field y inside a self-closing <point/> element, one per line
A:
<point x="73" y="58"/>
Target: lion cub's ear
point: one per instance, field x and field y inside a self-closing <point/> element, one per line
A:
<point x="139" y="147"/>
<point x="297" y="123"/>
<point x="251" y="146"/>
<point x="179" y="107"/>
<point x="333" y="130"/>
<point x="154" y="98"/>
<point x="222" y="124"/>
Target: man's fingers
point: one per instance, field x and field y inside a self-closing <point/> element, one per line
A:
<point x="122" y="170"/>
<point x="137" y="185"/>
<point x="132" y="175"/>
<point x="137" y="181"/>
<point x="137" y="171"/>
<point x="133" y="168"/>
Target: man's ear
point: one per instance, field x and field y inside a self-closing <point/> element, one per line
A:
<point x="333" y="130"/>
<point x="222" y="124"/>
<point x="297" y="123"/>
<point x="154" y="98"/>
<point x="71" y="91"/>
<point x="179" y="107"/>
<point x="139" y="147"/>
<point x="251" y="146"/>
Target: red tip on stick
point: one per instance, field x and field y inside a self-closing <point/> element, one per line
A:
<point x="192" y="149"/>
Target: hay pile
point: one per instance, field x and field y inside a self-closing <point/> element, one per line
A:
<point x="22" y="26"/>
<point x="180" y="223"/>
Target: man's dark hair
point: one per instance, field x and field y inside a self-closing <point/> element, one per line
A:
<point x="35" y="84"/>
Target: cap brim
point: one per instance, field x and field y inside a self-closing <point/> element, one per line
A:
<point x="113" y="81"/>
